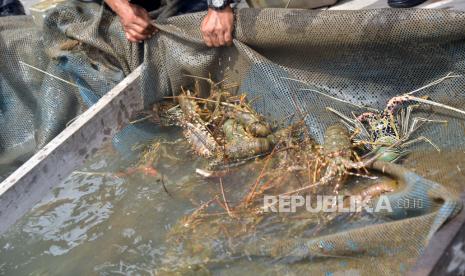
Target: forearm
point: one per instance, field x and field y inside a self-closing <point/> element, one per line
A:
<point x="118" y="6"/>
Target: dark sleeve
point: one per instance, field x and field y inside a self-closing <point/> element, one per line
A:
<point x="3" y="3"/>
<point x="167" y="8"/>
<point x="149" y="5"/>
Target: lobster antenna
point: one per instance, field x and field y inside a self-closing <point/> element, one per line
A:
<point x="331" y="97"/>
<point x="340" y="114"/>
<point x="421" y="100"/>
<point x="48" y="74"/>
<point x="438" y="81"/>
<point x="201" y="78"/>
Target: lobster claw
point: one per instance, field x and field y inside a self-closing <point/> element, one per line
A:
<point x="389" y="154"/>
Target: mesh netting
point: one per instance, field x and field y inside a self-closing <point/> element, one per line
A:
<point x="364" y="57"/>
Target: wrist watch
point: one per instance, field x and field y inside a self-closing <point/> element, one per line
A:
<point x="218" y="4"/>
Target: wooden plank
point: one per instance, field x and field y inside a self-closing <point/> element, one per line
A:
<point x="377" y="4"/>
<point x="445" y="253"/>
<point x="53" y="163"/>
<point x="358" y="4"/>
<point x="452" y="261"/>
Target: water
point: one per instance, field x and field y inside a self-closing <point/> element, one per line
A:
<point x="110" y="219"/>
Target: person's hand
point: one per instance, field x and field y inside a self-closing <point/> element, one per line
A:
<point x="135" y="20"/>
<point x="217" y="27"/>
<point x="136" y="23"/>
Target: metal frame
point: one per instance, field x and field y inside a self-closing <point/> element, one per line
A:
<point x="54" y="162"/>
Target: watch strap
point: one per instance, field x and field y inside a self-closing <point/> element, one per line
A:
<point x="213" y="4"/>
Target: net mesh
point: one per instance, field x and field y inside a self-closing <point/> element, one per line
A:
<point x="364" y="57"/>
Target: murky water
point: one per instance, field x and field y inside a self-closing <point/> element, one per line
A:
<point x="108" y="218"/>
